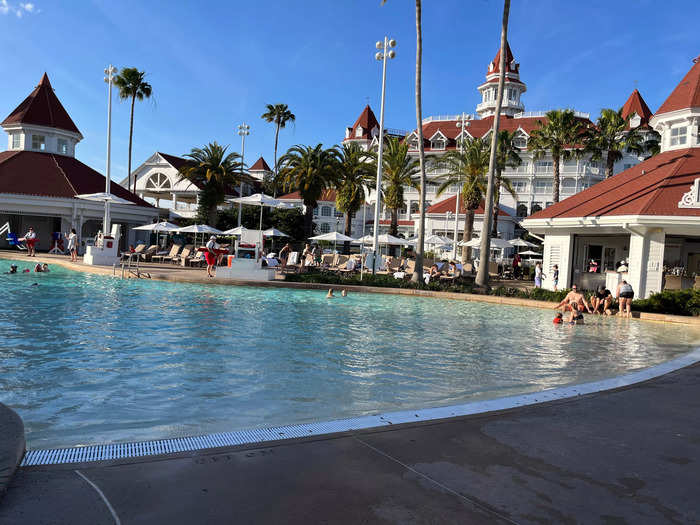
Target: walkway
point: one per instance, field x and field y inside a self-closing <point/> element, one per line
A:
<point x="626" y="456"/>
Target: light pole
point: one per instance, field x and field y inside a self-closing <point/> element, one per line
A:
<point x="110" y="71"/>
<point x="463" y="124"/>
<point x="243" y="131"/>
<point x="384" y="52"/>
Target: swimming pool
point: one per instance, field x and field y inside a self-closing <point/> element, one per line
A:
<point x="91" y="359"/>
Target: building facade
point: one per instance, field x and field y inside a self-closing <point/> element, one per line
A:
<point x="40" y="177"/>
<point x="647" y="216"/>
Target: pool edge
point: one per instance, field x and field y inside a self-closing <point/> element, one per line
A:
<point x="117" y="451"/>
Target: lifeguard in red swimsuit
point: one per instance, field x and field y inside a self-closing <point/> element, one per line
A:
<point x="30" y="239"/>
<point x="210" y="254"/>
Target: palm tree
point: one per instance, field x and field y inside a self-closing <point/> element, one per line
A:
<point x="213" y="172"/>
<point x="558" y="137"/>
<point x="651" y="144"/>
<point x="310" y="170"/>
<point x="467" y="167"/>
<point x="353" y="174"/>
<point x="132" y="85"/>
<point x="279" y="114"/>
<point x="609" y="138"/>
<point x="506" y="157"/>
<point x="399" y="170"/>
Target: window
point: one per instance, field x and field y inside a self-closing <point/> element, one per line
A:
<point x="536" y="206"/>
<point x="437" y="144"/>
<point x="543" y="186"/>
<point x="413" y="143"/>
<point x="325" y="227"/>
<point x="158" y="182"/>
<point x="358" y="131"/>
<point x="543" y="166"/>
<point x="15" y="141"/>
<point x="315" y="211"/>
<point x="548" y="204"/>
<point x="325" y="211"/>
<point x="520" y="186"/>
<point x="568" y="185"/>
<point x="521" y="209"/>
<point x="520" y="142"/>
<point x="678" y="136"/>
<point x="62" y="146"/>
<point x="38" y="142"/>
<point x="415" y="207"/>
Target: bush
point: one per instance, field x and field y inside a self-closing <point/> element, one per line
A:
<point x="674" y="302"/>
<point x="383" y="281"/>
<point x="538" y="294"/>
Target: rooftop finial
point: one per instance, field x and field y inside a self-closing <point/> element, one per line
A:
<point x="696" y="59"/>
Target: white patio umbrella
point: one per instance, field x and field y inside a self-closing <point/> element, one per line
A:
<point x="274" y="232"/>
<point x="522" y="243"/>
<point x="437" y="239"/>
<point x="157" y="228"/>
<point x="384" y="238"/>
<point x="530" y="252"/>
<point x="262" y="200"/>
<point x="334" y="237"/>
<point x="199" y="228"/>
<point x="238" y="230"/>
<point x="106" y="198"/>
<point x="496" y="243"/>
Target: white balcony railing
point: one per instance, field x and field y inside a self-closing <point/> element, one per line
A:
<point x="539" y="114"/>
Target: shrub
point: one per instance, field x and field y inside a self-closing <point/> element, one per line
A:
<point x="674" y="302"/>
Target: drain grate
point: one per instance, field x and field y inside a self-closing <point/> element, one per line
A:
<point x="262" y="435"/>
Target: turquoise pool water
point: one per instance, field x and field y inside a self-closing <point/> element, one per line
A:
<point x="90" y="359"/>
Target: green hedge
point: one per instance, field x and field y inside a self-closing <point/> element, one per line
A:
<point x="383" y="281"/>
<point x="674" y="302"/>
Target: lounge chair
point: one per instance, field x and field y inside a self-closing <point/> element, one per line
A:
<point x="149" y="252"/>
<point x="292" y="265"/>
<point x="340" y="262"/>
<point x="195" y="260"/>
<point x="184" y="254"/>
<point x="173" y="252"/>
<point x="327" y="260"/>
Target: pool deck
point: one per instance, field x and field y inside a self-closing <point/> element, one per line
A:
<point x="174" y="273"/>
<point x="622" y="456"/>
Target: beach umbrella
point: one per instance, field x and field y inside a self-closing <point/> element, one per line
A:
<point x="262" y="200"/>
<point x="158" y="227"/>
<point x="238" y="230"/>
<point x="496" y="243"/>
<point x="522" y="243"/>
<point x="332" y="237"/>
<point x="274" y="232"/>
<point x="530" y="252"/>
<point x="199" y="228"/>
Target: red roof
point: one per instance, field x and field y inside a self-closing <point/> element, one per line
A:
<point x="42" y="108"/>
<point x="653" y="187"/>
<point x="175" y="162"/>
<point x="512" y="67"/>
<point x="326" y="196"/>
<point x="635" y="104"/>
<point x="449" y="205"/>
<point x="45" y="174"/>
<point x="260" y="165"/>
<point x="388" y="221"/>
<point x="367" y="121"/>
<point x="686" y="94"/>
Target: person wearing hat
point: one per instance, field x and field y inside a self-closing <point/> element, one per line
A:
<point x="13" y="269"/>
<point x="210" y="254"/>
<point x="30" y="239"/>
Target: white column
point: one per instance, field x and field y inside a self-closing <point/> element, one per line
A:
<point x="646" y="259"/>
<point x="558" y="249"/>
<point x="174" y="201"/>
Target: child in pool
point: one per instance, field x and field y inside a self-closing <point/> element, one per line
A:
<point x="559" y="318"/>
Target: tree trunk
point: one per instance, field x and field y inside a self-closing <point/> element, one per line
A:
<point x="309" y="221"/>
<point x="394" y="228"/>
<point x="418" y="273"/>
<point x="482" y="276"/>
<point x="131" y="136"/>
<point x="211" y="214"/>
<point x="609" y="166"/>
<point x="555" y="184"/>
<point x="496" y="209"/>
<point x="467" y="235"/>
<point x="274" y="169"/>
<point x="348" y="230"/>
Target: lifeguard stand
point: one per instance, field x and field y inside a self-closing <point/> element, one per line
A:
<point x="105" y="252"/>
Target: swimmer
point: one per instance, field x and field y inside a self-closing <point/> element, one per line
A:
<point x="38" y="268"/>
<point x="576" y="315"/>
<point x="26" y="270"/>
<point x="45" y="268"/>
<point x="34" y="284"/>
<point x="330" y="294"/>
<point x="558" y="319"/>
<point x="344" y="293"/>
<point x="13" y="269"/>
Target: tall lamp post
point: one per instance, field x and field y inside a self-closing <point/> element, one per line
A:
<point x="383" y="54"/>
<point x="109" y="79"/>
<point x="463" y="124"/>
<point x="243" y="131"/>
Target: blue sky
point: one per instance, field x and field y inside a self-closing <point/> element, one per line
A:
<point x="216" y="64"/>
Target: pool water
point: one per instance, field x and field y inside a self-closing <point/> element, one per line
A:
<point x="92" y="359"/>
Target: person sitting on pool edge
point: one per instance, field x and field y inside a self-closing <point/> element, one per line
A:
<point x="601" y="301"/>
<point x="572" y="300"/>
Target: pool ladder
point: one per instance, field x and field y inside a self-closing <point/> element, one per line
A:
<point x="130" y="266"/>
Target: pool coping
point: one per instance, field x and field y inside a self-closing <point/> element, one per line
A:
<point x="492" y="299"/>
<point x="285" y="433"/>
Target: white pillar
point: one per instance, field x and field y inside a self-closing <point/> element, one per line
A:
<point x="646" y="259"/>
<point x="558" y="249"/>
<point x="174" y="201"/>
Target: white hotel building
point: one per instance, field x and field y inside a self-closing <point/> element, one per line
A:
<point x="532" y="180"/>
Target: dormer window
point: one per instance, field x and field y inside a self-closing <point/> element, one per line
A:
<point x="39" y="142"/>
<point x="437" y="144"/>
<point x="358" y="131"/>
<point x="520" y="142"/>
<point x="679" y="136"/>
<point x="16" y="138"/>
<point x="635" y="120"/>
<point x="62" y="147"/>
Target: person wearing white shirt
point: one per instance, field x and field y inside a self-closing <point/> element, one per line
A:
<point x="73" y="245"/>
<point x="210" y="255"/>
<point x="30" y="239"/>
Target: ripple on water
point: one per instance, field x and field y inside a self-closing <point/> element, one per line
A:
<point x="91" y="359"/>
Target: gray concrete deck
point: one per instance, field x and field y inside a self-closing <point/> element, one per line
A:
<point x="625" y="456"/>
<point x="12" y="445"/>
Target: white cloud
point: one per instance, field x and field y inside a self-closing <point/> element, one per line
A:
<point x="18" y="10"/>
